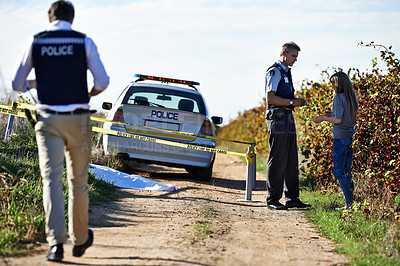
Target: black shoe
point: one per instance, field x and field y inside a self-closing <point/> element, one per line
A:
<point x="56" y="253"/>
<point x="78" y="251"/>
<point x="276" y="205"/>
<point x="297" y="204"/>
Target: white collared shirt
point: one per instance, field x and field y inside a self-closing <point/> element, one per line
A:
<point x="96" y="67"/>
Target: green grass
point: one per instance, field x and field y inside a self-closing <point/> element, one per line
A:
<point x="201" y="227"/>
<point x="367" y="241"/>
<point x="100" y="191"/>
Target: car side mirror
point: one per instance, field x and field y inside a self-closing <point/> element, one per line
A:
<point x="217" y="120"/>
<point x="106" y="106"/>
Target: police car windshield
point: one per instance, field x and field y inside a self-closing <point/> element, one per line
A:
<point x="161" y="97"/>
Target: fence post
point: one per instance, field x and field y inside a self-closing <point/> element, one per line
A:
<point x="251" y="172"/>
<point x="10" y="124"/>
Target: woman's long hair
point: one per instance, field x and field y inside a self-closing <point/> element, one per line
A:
<point x="344" y="85"/>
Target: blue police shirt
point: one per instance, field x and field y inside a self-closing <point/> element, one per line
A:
<point x="278" y="79"/>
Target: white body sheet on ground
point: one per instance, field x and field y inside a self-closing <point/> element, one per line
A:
<point x="123" y="180"/>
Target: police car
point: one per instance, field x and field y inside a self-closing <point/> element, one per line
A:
<point x="152" y="107"/>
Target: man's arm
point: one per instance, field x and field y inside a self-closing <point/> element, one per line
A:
<point x="94" y="92"/>
<point x="96" y="67"/>
<point x="278" y="101"/>
<point x="25" y="65"/>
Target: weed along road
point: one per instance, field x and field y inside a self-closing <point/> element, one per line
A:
<point x="202" y="223"/>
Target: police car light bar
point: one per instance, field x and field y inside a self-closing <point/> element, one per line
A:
<point x="179" y="81"/>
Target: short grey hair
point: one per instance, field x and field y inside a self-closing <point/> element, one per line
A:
<point x="289" y="46"/>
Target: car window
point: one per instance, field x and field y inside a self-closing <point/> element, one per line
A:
<point x="160" y="97"/>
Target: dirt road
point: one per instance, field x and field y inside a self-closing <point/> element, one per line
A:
<point x="157" y="228"/>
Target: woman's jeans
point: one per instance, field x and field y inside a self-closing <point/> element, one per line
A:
<point x="342" y="157"/>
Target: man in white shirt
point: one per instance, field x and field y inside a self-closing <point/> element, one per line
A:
<point x="61" y="57"/>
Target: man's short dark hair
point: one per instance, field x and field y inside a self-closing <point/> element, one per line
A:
<point x="289" y="46"/>
<point x="61" y="10"/>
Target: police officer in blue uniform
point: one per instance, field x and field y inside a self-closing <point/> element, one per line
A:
<point x="282" y="166"/>
<point x="61" y="58"/>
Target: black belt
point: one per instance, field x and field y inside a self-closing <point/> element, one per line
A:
<point x="286" y="110"/>
<point x="75" y="112"/>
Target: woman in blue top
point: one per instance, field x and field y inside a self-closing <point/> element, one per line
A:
<point x="343" y="117"/>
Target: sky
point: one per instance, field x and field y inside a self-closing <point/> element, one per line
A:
<point x="226" y="45"/>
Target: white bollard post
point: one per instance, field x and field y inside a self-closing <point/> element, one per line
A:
<point x="10" y="124"/>
<point x="249" y="181"/>
<point x="250" y="174"/>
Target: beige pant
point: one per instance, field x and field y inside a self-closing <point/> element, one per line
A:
<point x="69" y="137"/>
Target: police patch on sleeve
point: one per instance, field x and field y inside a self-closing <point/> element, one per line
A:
<point x="271" y="72"/>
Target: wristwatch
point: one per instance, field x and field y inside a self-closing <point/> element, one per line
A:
<point x="291" y="102"/>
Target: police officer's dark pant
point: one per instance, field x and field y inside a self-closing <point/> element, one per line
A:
<point x="282" y="167"/>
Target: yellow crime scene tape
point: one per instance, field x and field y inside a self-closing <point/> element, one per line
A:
<point x="166" y="142"/>
<point x="10" y="111"/>
<point x="249" y="155"/>
<point x="175" y="134"/>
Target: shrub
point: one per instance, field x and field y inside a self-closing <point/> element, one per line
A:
<point x="249" y="126"/>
